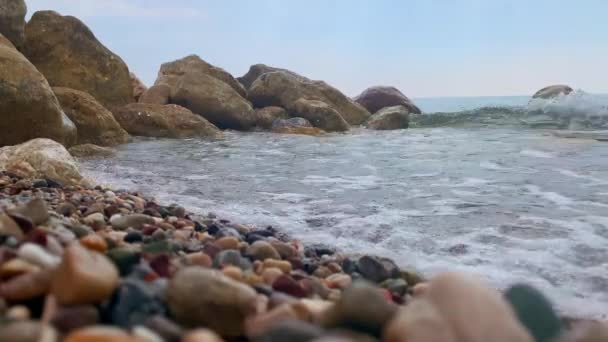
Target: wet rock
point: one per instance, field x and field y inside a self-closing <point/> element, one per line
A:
<point x="295" y="126"/>
<point x="379" y="97"/>
<point x="83" y="277"/>
<point x="265" y="117"/>
<point x="349" y="313"/>
<point x="397" y="286"/>
<point x="389" y="118"/>
<point x="156" y="94"/>
<point x="135" y="221"/>
<point x="535" y="312"/>
<point x="67" y="319"/>
<point x="100" y="333"/>
<point x="168" y="121"/>
<point x="69" y="55"/>
<point x="318" y="250"/>
<point x="135" y="302"/>
<point x="377" y="269"/>
<point x="231" y="257"/>
<point x="94" y="123"/>
<point x="261" y="250"/>
<point x="553" y="91"/>
<point x="320" y="114"/>
<point x="198" y="296"/>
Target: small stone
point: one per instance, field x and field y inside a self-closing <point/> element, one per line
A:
<point x="66" y="209"/>
<point x="35" y="210"/>
<point x="143" y="334"/>
<point x="271" y="274"/>
<point x="231" y="257"/>
<point x="262" y="250"/>
<point x="338" y="281"/>
<point x="134" y="302"/>
<point x="199" y="259"/>
<point x="165" y="328"/>
<point x="233" y="272"/>
<point x="133" y="237"/>
<point x="284" y="266"/>
<point x="37" y="255"/>
<point x="228" y="242"/>
<point x="282" y="324"/>
<point x="95" y="220"/>
<point x="158" y="247"/>
<point x="377" y="269"/>
<point x="67" y="319"/>
<point x="94" y="242"/>
<point x="350" y="313"/>
<point x="201" y="335"/>
<point x="322" y="272"/>
<point x="18" y="313"/>
<point x="287" y="284"/>
<point x="83" y="277"/>
<point x="285" y="250"/>
<point x="100" y="333"/>
<point x="15" y="267"/>
<point x="124" y="259"/>
<point x="396" y="286"/>
<point x="199" y="296"/>
<point x="96" y="207"/>
<point x="26" y="286"/>
<point x="9" y="227"/>
<point x="136" y="221"/>
<point x="418" y="321"/>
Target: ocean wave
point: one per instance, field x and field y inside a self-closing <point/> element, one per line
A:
<point x="576" y="111"/>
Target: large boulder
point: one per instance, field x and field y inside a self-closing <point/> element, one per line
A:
<point x="138" y="86"/>
<point x="396" y="117"/>
<point x="12" y="21"/>
<point x="169" y="121"/>
<point x="42" y="158"/>
<point x="265" y="117"/>
<point x="171" y="72"/>
<point x="378" y="97"/>
<point x="156" y="94"/>
<point x="96" y="125"/>
<point x="320" y="114"/>
<point x="69" y="55"/>
<point x="553" y="91"/>
<point x="28" y="107"/>
<point x="258" y="70"/>
<point x="5" y="42"/>
<point x="213" y="99"/>
<point x="281" y="88"/>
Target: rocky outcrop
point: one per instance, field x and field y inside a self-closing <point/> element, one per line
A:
<point x="258" y="70"/>
<point x="41" y="158"/>
<point x="265" y="117"/>
<point x="90" y="150"/>
<point x="169" y="121"/>
<point x="170" y="73"/>
<point x="295" y="126"/>
<point x="283" y="89"/>
<point x="214" y="100"/>
<point x="69" y="55"/>
<point x="396" y="117"/>
<point x="138" y="86"/>
<point x="95" y="124"/>
<point x="12" y="21"/>
<point x="156" y="94"/>
<point x="553" y="91"/>
<point x="28" y="107"/>
<point x="320" y="114"/>
<point x="378" y="97"/>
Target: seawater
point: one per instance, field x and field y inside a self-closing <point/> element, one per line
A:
<point x="506" y="202"/>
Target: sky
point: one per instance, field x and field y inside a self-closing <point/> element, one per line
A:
<point x="426" y="48"/>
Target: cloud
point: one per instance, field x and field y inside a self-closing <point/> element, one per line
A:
<point x="114" y="8"/>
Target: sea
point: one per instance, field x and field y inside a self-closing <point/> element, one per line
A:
<point x="479" y="184"/>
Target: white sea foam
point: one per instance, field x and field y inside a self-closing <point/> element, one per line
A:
<point x="536" y="153"/>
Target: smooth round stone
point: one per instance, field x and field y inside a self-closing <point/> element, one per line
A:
<point x="15" y="267"/>
<point x="35" y="211"/>
<point x="165" y="328"/>
<point x="231" y="257"/>
<point x="26" y="286"/>
<point x="37" y="255"/>
<point x="233" y="272"/>
<point x="134" y="302"/>
<point x="322" y="272"/>
<point x="396" y="286"/>
<point x="100" y="333"/>
<point x="284" y="266"/>
<point x="271" y="274"/>
<point x="285" y="250"/>
<point x="66" y="209"/>
<point x="18" y="313"/>
<point x="228" y="242"/>
<point x="143" y="334"/>
<point x="96" y="207"/>
<point x="418" y="321"/>
<point x="83" y="277"/>
<point x="136" y="221"/>
<point x="377" y="269"/>
<point x="124" y="258"/>
<point x="199" y="296"/>
<point x="94" y="242"/>
<point x="262" y="250"/>
<point x="201" y="335"/>
<point x="338" y="281"/>
<point x="67" y="319"/>
<point x="199" y="259"/>
<point x="27" y="331"/>
<point x="283" y="323"/>
<point x="349" y="312"/>
<point x="288" y="285"/>
<point x="133" y="237"/>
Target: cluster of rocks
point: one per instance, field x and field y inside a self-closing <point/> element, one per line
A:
<point x="60" y="82"/>
<point x="92" y="264"/>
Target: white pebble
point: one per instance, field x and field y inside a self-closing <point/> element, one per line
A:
<point x="38" y="255"/>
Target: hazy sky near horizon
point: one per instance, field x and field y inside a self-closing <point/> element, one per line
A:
<point x="427" y="48"/>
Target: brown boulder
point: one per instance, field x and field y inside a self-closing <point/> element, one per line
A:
<point x="213" y="99"/>
<point x="295" y="126"/>
<point x="156" y="94"/>
<point x="171" y="72"/>
<point x="264" y="117"/>
<point x="95" y="124"/>
<point x="69" y="55"/>
<point x="90" y="150"/>
<point x="376" y="98"/>
<point x="28" y="107"/>
<point x="5" y="42"/>
<point x="12" y="21"/>
<point x="169" y="121"/>
<point x="138" y="86"/>
<point x="258" y="70"/>
<point x="396" y="117"/>
<point x="553" y="91"/>
<point x="320" y="114"/>
<point x="282" y="88"/>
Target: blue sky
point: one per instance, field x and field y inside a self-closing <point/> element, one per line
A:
<point x="424" y="47"/>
